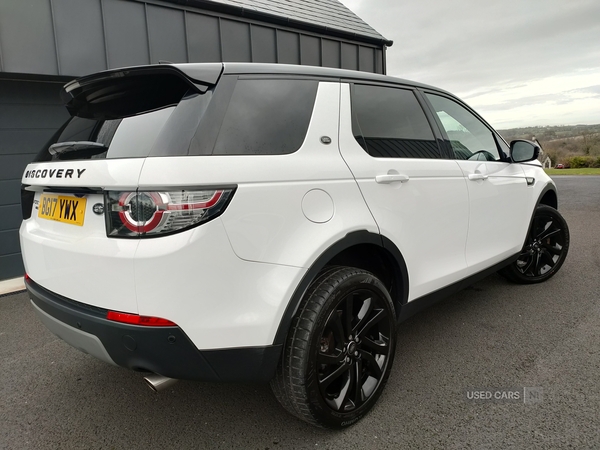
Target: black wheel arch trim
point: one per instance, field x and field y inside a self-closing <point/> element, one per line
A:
<point x="550" y="187"/>
<point x="400" y="274"/>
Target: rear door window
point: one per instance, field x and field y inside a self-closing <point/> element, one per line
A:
<point x="389" y="122"/>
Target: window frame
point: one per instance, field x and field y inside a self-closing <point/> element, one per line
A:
<point x="504" y="158"/>
<point x="425" y="107"/>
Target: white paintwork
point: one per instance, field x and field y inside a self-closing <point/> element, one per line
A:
<point x="194" y="279"/>
<point x="317" y="206"/>
<point x="101" y="173"/>
<point x="227" y="282"/>
<point x="500" y="210"/>
<point x="265" y="221"/>
<point x="419" y="204"/>
<point x="81" y="263"/>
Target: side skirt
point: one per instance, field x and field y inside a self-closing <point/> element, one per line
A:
<point x="413" y="307"/>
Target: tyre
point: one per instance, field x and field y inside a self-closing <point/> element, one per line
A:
<point x="545" y="250"/>
<point x="339" y="351"/>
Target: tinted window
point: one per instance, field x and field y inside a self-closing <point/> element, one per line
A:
<point x="124" y="138"/>
<point x="469" y="137"/>
<point x="236" y="117"/>
<point x="389" y="123"/>
<point x="266" y="117"/>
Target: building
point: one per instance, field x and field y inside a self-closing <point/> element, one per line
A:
<point x="45" y="43"/>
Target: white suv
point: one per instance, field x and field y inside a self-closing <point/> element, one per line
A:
<point x="248" y="222"/>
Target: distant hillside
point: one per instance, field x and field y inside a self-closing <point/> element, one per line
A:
<point x="571" y="145"/>
<point x="549" y="133"/>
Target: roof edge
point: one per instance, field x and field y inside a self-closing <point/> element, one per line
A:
<point x="279" y="20"/>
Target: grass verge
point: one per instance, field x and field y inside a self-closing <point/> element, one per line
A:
<point x="582" y="171"/>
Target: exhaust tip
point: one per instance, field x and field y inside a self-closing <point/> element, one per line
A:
<point x="158" y="382"/>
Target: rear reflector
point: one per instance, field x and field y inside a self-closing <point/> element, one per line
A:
<point x="134" y="319"/>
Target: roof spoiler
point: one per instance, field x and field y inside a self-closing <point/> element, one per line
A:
<point x="120" y="93"/>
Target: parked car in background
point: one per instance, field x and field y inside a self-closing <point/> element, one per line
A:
<point x="248" y="222"/>
<point x="559" y="166"/>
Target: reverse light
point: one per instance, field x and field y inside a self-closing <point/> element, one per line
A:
<point x="134" y="319"/>
<point x="147" y="214"/>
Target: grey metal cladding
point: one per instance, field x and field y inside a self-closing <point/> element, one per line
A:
<point x="366" y="59"/>
<point x="30" y="93"/>
<point x="166" y="30"/>
<point x="379" y="61"/>
<point x="11" y="266"/>
<point x="126" y="33"/>
<point x="11" y="217"/>
<point x="235" y="39"/>
<point x="14" y="116"/>
<point x="349" y="56"/>
<point x="12" y="166"/>
<point x="202" y="34"/>
<point x="311" y="50"/>
<point x="264" y="44"/>
<point x="9" y="242"/>
<point x="331" y="53"/>
<point x="25" y="140"/>
<point x="10" y="192"/>
<point x="288" y="45"/>
<point x="30" y="113"/>
<point x="76" y="37"/>
<point x="24" y="51"/>
<point x="79" y="36"/>
<point x="330" y="14"/>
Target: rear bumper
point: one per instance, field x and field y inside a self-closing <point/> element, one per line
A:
<point x="163" y="350"/>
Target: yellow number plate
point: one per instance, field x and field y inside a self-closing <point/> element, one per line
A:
<point x="62" y="208"/>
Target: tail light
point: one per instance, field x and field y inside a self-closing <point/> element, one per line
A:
<point x="147" y="214"/>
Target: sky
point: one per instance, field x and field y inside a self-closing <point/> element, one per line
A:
<point x="516" y="62"/>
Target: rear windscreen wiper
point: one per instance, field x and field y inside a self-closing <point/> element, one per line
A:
<point x="66" y="150"/>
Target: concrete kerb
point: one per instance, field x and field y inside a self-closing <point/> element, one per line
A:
<point x="12" y="286"/>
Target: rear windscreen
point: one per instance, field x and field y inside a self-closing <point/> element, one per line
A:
<point x="235" y="117"/>
<point x="130" y="137"/>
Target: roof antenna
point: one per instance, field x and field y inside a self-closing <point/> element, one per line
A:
<point x="162" y="61"/>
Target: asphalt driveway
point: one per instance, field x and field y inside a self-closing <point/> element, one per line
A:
<point x="541" y="343"/>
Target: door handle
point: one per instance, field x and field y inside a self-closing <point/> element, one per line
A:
<point x="477" y="176"/>
<point x="391" y="178"/>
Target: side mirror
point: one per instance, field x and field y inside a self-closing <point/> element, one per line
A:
<point x="523" y="151"/>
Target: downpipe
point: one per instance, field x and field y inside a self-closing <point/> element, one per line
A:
<point x="158" y="382"/>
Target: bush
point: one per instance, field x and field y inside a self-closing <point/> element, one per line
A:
<point x="578" y="162"/>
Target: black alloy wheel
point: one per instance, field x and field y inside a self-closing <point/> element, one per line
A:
<point x="340" y="350"/>
<point x="545" y="249"/>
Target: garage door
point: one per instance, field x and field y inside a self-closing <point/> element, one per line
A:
<point x="30" y="113"/>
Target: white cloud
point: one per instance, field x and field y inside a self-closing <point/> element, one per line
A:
<point x="517" y="62"/>
<point x="570" y="98"/>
